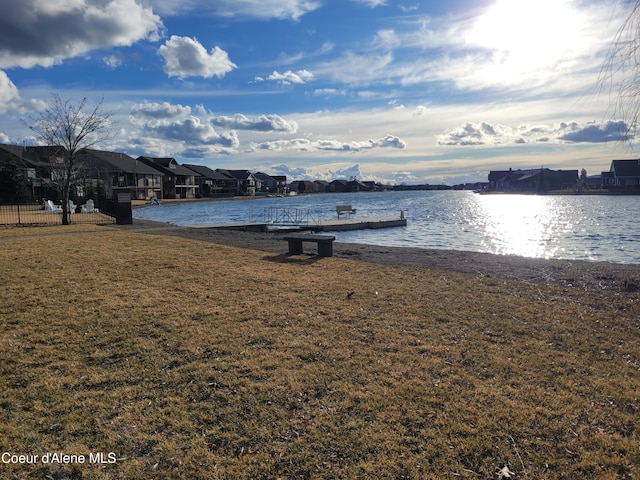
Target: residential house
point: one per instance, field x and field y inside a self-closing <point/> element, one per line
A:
<point x="120" y="173"/>
<point x="212" y="183"/>
<point x="248" y="184"/>
<point x="323" y="186"/>
<point x="28" y="173"/>
<point x="357" y="186"/>
<point x="338" y="186"/>
<point x="532" y="180"/>
<point x="608" y="179"/>
<point x="268" y="183"/>
<point x="626" y="173"/>
<point x="178" y="181"/>
<point x="303" y="186"/>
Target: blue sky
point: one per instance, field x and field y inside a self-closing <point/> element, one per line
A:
<point x="396" y="91"/>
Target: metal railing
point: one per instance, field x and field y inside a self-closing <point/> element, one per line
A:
<point x="287" y="217"/>
<point x="35" y="214"/>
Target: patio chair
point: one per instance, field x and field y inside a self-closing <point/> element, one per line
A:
<point x="88" y="207"/>
<point x="49" y="207"/>
<point x="72" y="206"/>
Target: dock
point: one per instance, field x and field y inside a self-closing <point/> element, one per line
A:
<point x="337" y="225"/>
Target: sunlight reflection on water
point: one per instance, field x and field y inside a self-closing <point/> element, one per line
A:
<point x="570" y="227"/>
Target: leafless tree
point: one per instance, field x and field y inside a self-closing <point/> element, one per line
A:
<point x="620" y="73"/>
<point x="71" y="127"/>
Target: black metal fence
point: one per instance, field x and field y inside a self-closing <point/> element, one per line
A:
<point x="36" y="214"/>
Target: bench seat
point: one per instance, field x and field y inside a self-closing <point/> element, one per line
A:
<point x="325" y="243"/>
<point x="342" y="209"/>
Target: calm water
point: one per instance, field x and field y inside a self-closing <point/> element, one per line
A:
<point x="602" y="228"/>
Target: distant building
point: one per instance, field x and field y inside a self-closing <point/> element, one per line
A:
<point x="623" y="174"/>
<point x="532" y="180"/>
<point x="248" y="184"/>
<point x="178" y="181"/>
<point x="119" y="173"/>
<point x="212" y="183"/>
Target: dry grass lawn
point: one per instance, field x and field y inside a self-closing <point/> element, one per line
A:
<point x="192" y="360"/>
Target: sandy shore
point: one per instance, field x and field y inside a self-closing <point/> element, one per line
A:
<point x="569" y="273"/>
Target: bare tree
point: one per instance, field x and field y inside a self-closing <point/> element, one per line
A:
<point x="71" y="128"/>
<point x="620" y="73"/>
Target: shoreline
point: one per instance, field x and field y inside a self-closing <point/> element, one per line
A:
<point x="568" y="273"/>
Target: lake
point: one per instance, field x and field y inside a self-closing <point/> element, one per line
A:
<point x="590" y="227"/>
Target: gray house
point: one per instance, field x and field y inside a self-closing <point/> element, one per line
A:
<point x="120" y="173"/>
<point x="626" y="174"/>
<point x="178" y="181"/>
<point x="212" y="183"/>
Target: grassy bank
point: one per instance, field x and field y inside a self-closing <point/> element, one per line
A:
<point x="194" y="360"/>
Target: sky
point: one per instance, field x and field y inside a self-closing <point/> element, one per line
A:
<point x="408" y="91"/>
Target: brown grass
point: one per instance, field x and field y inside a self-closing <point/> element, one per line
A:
<point x="194" y="360"/>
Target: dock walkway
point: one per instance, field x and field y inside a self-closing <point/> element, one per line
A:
<point x="337" y="225"/>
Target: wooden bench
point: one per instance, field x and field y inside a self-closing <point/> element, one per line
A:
<point x="325" y="243"/>
<point x="342" y="209"/>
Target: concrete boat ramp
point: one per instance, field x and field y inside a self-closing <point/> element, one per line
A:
<point x="337" y="225"/>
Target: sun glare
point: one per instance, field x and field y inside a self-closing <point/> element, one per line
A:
<point x="527" y="35"/>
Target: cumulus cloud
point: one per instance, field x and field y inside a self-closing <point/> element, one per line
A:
<point x="306" y="145"/>
<point x="315" y="173"/>
<point x="263" y="123"/>
<point x="186" y="57"/>
<point x="10" y="99"/>
<point x="164" y="110"/>
<point x="8" y="91"/>
<point x="484" y="133"/>
<point x="289" y="77"/>
<point x="612" y="131"/>
<point x="191" y="130"/>
<point x="42" y="32"/>
<point x="113" y="61"/>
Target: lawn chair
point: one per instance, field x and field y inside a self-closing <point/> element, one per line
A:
<point x="49" y="207"/>
<point x="72" y="206"/>
<point x="88" y="207"/>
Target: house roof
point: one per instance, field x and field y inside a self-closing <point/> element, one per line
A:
<point x="165" y="165"/>
<point x="239" y="174"/>
<point x="208" y="173"/>
<point x="32" y="156"/>
<point x="116" y="161"/>
<point x="626" y="168"/>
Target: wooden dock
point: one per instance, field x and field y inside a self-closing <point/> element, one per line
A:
<point x="337" y="225"/>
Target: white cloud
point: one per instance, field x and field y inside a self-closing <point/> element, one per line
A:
<point x="191" y="130"/>
<point x="41" y="32"/>
<point x="261" y="9"/>
<point x="8" y="91"/>
<point x="372" y="3"/>
<point x="484" y="133"/>
<point x="113" y="61"/>
<point x="306" y="145"/>
<point x="322" y="172"/>
<point x="10" y="99"/>
<point x="159" y="111"/>
<point x="329" y="92"/>
<point x="186" y="57"/>
<point x="289" y="77"/>
<point x="263" y="123"/>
